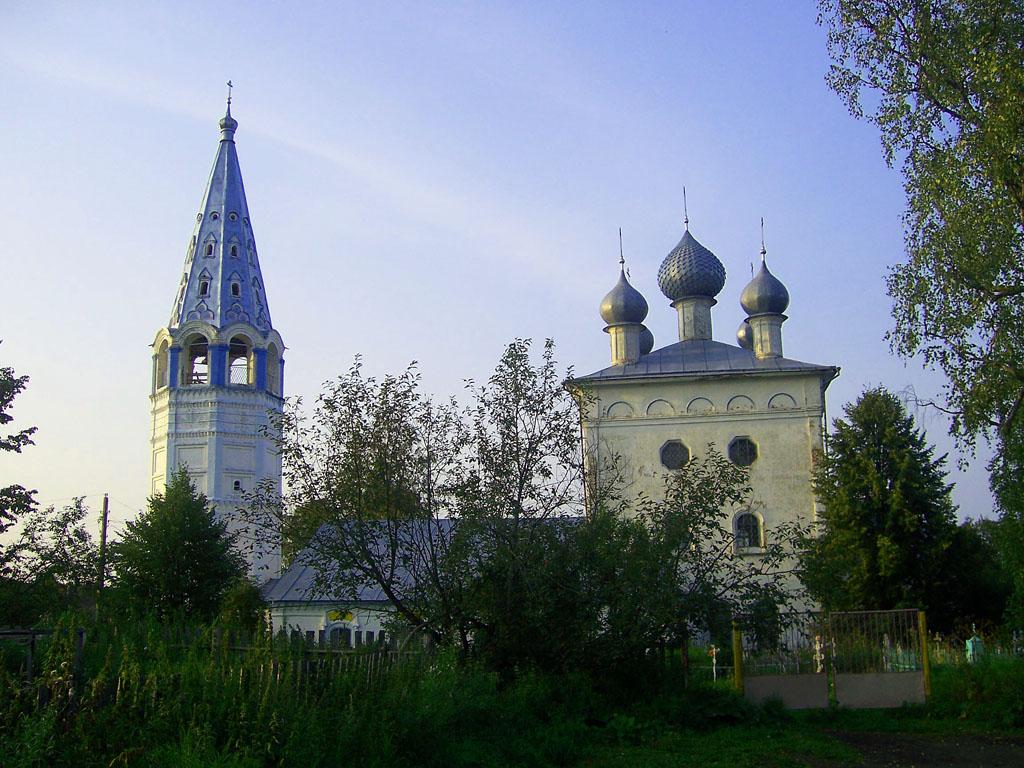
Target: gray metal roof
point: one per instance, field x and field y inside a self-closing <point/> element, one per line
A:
<point x="704" y="357"/>
<point x="298" y="585"/>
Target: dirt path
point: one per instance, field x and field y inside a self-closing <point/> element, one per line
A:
<point x="911" y="750"/>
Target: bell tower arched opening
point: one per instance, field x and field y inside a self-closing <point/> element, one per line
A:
<point x="160" y="370"/>
<point x="273" y="370"/>
<point x="196" y="368"/>
<point x="240" y="361"/>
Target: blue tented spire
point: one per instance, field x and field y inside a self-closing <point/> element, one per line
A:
<point x="222" y="283"/>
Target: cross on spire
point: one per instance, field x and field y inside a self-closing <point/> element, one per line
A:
<point x="686" y="215"/>
<point x="763" y="251"/>
<point x="230" y="86"/>
<point x="622" y="259"/>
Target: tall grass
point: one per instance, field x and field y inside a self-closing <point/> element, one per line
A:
<point x="139" y="699"/>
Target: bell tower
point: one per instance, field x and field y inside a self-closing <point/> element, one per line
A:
<point x="218" y="366"/>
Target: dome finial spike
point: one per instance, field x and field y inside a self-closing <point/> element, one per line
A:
<point x="763" y="251"/>
<point x="622" y="259"/>
<point x="230" y="86"/>
<point x="686" y="214"/>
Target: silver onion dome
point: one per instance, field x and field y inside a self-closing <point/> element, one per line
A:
<point x="745" y="335"/>
<point x="623" y="304"/>
<point x="228" y="125"/>
<point x="690" y="269"/>
<point x="646" y="340"/>
<point x="765" y="294"/>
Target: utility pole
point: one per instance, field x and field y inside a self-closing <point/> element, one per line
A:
<point x="103" y="546"/>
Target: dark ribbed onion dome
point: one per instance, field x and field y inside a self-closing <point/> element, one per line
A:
<point x="745" y="335"/>
<point x="646" y="340"/>
<point x="690" y="269"/>
<point x="765" y="294"/>
<point x="623" y="304"/>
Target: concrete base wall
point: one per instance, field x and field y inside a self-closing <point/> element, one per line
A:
<point x="795" y="691"/>
<point x="880" y="690"/>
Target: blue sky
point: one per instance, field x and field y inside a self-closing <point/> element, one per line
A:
<point x="427" y="181"/>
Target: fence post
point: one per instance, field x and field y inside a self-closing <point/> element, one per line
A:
<point x="926" y="663"/>
<point x="77" y="670"/>
<point x="30" y="659"/>
<point x="737" y="658"/>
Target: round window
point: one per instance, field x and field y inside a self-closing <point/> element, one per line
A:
<point x="742" y="451"/>
<point x="674" y="455"/>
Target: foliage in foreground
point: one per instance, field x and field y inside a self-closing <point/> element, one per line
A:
<point x="474" y="525"/>
<point x="144" y="701"/>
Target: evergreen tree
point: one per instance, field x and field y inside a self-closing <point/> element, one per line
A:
<point x="176" y="557"/>
<point x="886" y="514"/>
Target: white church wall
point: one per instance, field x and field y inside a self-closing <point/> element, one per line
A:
<point x="699" y="411"/>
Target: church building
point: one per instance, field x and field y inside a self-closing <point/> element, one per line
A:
<point x="652" y="411"/>
<point x="218" y="366"/>
<point x="218" y="382"/>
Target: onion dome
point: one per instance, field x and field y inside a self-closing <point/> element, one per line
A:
<point x="690" y="269"/>
<point x="646" y="340"/>
<point x="623" y="304"/>
<point x="745" y="335"/>
<point x="765" y="294"/>
<point x="228" y="124"/>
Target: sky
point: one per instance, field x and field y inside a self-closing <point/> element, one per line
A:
<point x="426" y="182"/>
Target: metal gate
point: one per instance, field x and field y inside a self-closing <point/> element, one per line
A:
<point x="857" y="659"/>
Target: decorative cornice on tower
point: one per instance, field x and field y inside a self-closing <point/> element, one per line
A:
<point x="222" y="282"/>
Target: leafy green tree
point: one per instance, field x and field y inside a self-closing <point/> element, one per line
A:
<point x="887" y="520"/>
<point x="473" y="524"/>
<point x="57" y="560"/>
<point x="19" y="603"/>
<point x="977" y="577"/>
<point x="944" y="82"/>
<point x="176" y="557"/>
<point x="15" y="500"/>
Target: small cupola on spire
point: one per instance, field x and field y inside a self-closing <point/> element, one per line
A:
<point x="624" y="310"/>
<point x="764" y="300"/>
<point x="691" y="276"/>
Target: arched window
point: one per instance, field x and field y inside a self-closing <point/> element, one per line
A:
<point x="273" y="370"/>
<point x="161" y="366"/>
<point x="234" y="251"/>
<point x="209" y="249"/>
<point x="239" y="361"/>
<point x="196" y="362"/>
<point x="748" y="531"/>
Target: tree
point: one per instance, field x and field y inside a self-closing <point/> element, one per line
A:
<point x="56" y="561"/>
<point x="473" y="524"/>
<point x="943" y="80"/>
<point x="176" y="557"/>
<point x="886" y="514"/>
<point x="15" y="500"/>
<point x="439" y="508"/>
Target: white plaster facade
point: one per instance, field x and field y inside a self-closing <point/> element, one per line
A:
<point x="783" y="413"/>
